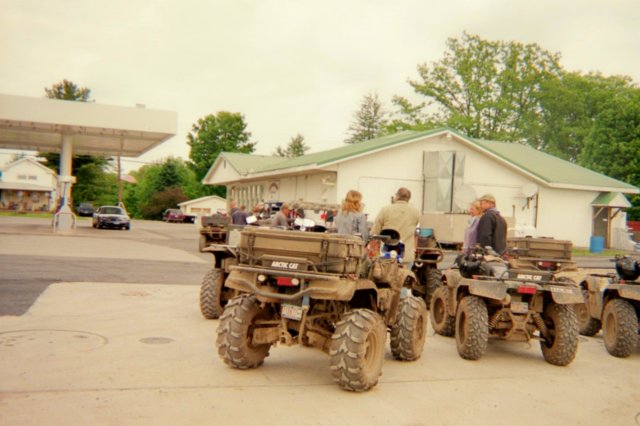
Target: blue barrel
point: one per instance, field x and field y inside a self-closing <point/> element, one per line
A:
<point x="596" y="245"/>
<point x="425" y="232"/>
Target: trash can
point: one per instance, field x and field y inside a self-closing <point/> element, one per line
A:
<point x="424" y="232"/>
<point x="596" y="245"/>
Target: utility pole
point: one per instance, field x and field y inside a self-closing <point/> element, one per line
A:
<point x="119" y="181"/>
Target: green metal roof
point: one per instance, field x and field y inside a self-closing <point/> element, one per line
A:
<point x="545" y="167"/>
<point x="250" y="163"/>
<point x="344" y="152"/>
<point x="550" y="169"/>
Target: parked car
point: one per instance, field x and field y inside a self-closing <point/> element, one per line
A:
<point x="85" y="209"/>
<point x="177" y="216"/>
<point x="111" y="217"/>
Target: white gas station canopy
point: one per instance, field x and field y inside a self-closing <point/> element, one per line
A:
<point x="40" y="124"/>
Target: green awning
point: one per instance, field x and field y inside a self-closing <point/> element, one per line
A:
<point x="611" y="199"/>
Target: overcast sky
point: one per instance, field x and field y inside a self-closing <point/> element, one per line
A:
<point x="289" y="66"/>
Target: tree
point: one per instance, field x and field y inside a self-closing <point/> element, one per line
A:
<point x="612" y="146"/>
<point x="69" y="91"/>
<point x="94" y="182"/>
<point x="410" y="117"/>
<point x="213" y="134"/>
<point x="572" y="104"/>
<point x="295" y="148"/>
<point x="160" y="201"/>
<point x="172" y="178"/>
<point x="487" y="89"/>
<point x="369" y="121"/>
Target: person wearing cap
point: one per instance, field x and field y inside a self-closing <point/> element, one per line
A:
<point x="492" y="228"/>
<point x="281" y="219"/>
<point x="402" y="217"/>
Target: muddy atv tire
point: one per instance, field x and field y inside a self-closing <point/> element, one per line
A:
<point x="587" y="325"/>
<point x="357" y="350"/>
<point x="620" y="328"/>
<point x="211" y="294"/>
<point x="235" y="333"/>
<point x="433" y="281"/>
<point x="562" y="324"/>
<point x="472" y="328"/>
<point x="409" y="331"/>
<point x="202" y="243"/>
<point x="442" y="322"/>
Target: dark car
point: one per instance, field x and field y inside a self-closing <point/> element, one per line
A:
<point x="85" y="209"/>
<point x="177" y="216"/>
<point x="111" y="217"/>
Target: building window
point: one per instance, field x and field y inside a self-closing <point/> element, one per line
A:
<point x="22" y="177"/>
<point x="33" y="177"/>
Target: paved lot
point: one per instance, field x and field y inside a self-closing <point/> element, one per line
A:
<point x="140" y="353"/>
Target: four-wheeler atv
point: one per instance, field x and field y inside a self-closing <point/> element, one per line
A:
<point x="213" y="230"/>
<point x="612" y="301"/>
<point x="319" y="290"/>
<point x="540" y="254"/>
<point x="425" y="266"/>
<point x="221" y="241"/>
<point x="484" y="297"/>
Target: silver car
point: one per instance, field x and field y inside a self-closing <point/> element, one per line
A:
<point x="111" y="217"/>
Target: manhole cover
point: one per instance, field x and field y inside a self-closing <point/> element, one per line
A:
<point x="156" y="340"/>
<point x="50" y="341"/>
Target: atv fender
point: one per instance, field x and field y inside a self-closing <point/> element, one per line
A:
<point x="594" y="287"/>
<point x="452" y="278"/>
<point x="564" y="295"/>
<point x="402" y="277"/>
<point x="631" y="292"/>
<point x="495" y="290"/>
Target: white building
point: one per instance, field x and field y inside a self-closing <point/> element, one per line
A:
<point x="27" y="185"/>
<point x="538" y="194"/>
<point x="203" y="206"/>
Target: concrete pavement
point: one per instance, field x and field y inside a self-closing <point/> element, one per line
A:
<point x="114" y="354"/>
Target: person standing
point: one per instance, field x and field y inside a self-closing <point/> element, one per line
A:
<point x="402" y="217"/>
<point x="350" y="220"/>
<point x="233" y="207"/>
<point x="239" y="217"/>
<point x="281" y="219"/>
<point x="471" y="233"/>
<point x="492" y="228"/>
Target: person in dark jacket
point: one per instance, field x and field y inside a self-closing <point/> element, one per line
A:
<point x="492" y="228"/>
<point x="239" y="217"/>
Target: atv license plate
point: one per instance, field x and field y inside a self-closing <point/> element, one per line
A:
<point x="292" y="312"/>
<point x="519" y="307"/>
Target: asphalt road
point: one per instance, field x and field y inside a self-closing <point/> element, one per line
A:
<point x="25" y="275"/>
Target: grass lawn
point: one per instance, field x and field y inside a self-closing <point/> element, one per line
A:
<point x="584" y="251"/>
<point x="26" y="214"/>
<point x="41" y="215"/>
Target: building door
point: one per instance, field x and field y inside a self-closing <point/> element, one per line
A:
<point x="601" y="221"/>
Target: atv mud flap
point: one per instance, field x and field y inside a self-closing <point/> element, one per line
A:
<point x="489" y="289"/>
<point x="564" y="295"/>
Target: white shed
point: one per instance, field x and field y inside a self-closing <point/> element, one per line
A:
<point x="27" y="185"/>
<point x="203" y="206"/>
<point x="539" y="194"/>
